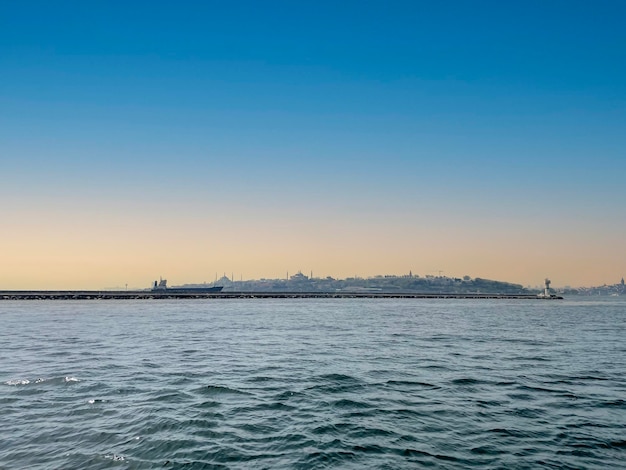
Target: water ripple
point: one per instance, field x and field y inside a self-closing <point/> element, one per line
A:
<point x="312" y="384"/>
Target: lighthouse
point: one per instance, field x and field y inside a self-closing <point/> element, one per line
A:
<point x="546" y="291"/>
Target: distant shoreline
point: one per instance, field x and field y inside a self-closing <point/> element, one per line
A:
<point x="148" y="295"/>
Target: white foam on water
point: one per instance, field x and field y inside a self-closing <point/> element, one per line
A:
<point x="95" y="400"/>
<point x="17" y="382"/>
<point x="71" y="379"/>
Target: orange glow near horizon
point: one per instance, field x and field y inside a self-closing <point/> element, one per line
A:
<point x="98" y="251"/>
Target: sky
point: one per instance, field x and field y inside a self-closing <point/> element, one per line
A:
<point x="191" y="139"/>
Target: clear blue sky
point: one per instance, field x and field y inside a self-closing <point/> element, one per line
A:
<point x="463" y="115"/>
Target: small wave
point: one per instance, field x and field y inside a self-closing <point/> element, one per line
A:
<point x="208" y="404"/>
<point x="218" y="389"/>
<point x="410" y="383"/>
<point x="521" y="396"/>
<point x="17" y="382"/>
<point x="485" y="450"/>
<point x="288" y="395"/>
<point x="171" y="397"/>
<point x="587" y="424"/>
<point x="528" y="412"/>
<point x="509" y="432"/>
<point x="338" y="378"/>
<point x="415" y="452"/>
<point x="488" y="403"/>
<point x="467" y="381"/>
<point x="363" y="433"/>
<point x="327" y="459"/>
<point x="436" y="367"/>
<point x="571" y="396"/>
<point x="41" y="380"/>
<point x="618" y="444"/>
<point x="261" y="378"/>
<point x="529" y="342"/>
<point x="609" y="404"/>
<point x="590" y="377"/>
<point x="272" y="406"/>
<point x="370" y="449"/>
<point x="336" y="383"/>
<point x="345" y="403"/>
<point x="540" y="389"/>
<point x="531" y="358"/>
<point x="504" y="383"/>
<point x="332" y="429"/>
<point x="577" y="453"/>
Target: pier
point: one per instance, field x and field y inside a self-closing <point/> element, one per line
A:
<point x="149" y="295"/>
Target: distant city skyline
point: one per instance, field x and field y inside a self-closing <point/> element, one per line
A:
<point x="140" y="139"/>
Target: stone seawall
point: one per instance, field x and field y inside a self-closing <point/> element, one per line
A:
<point x="145" y="295"/>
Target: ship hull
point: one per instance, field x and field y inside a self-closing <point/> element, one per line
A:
<point x="189" y="290"/>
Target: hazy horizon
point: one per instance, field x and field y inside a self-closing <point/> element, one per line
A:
<point x="238" y="277"/>
<point x="144" y="139"/>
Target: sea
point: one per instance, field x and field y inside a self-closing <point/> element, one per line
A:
<point x="313" y="383"/>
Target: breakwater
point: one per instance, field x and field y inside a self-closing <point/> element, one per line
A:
<point x="145" y="295"/>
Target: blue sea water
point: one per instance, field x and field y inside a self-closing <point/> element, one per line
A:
<point x="305" y="383"/>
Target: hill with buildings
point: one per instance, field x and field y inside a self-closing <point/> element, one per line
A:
<point x="615" y="290"/>
<point x="300" y="282"/>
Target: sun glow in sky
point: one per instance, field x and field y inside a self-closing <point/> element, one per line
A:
<point x="140" y="139"/>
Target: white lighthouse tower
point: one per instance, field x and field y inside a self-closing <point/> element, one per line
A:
<point x="546" y="290"/>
